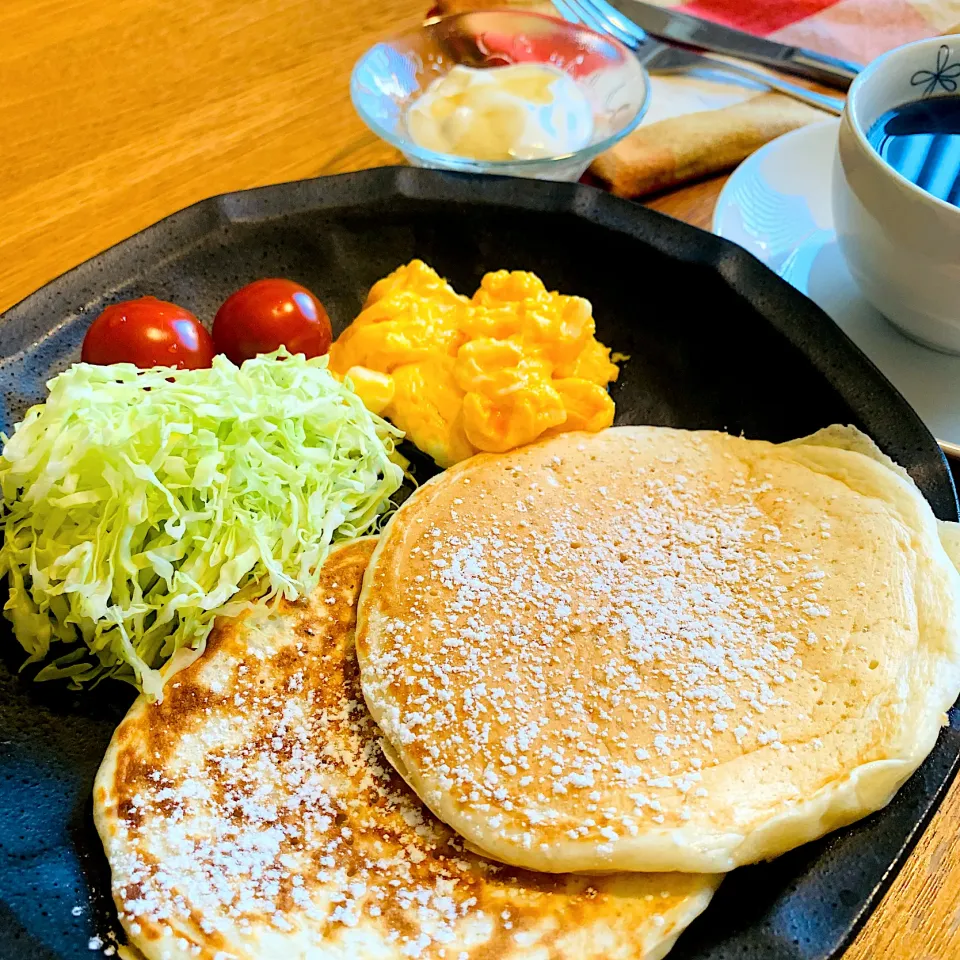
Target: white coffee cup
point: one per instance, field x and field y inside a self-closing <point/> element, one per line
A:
<point x="902" y="244"/>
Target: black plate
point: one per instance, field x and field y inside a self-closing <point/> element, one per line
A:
<point x="716" y="340"/>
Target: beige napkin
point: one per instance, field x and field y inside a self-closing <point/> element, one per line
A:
<point x="695" y="145"/>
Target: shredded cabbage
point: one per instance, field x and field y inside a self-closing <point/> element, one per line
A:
<point x="139" y="504"/>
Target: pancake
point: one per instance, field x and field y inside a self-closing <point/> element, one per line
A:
<point x="654" y="649"/>
<point x="250" y="815"/>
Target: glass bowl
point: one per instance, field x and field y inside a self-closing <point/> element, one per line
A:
<point x="391" y="75"/>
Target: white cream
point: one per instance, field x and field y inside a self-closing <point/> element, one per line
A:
<point x="523" y="111"/>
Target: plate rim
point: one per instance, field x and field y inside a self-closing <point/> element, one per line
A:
<point x="418" y="183"/>
<point x="723" y="197"/>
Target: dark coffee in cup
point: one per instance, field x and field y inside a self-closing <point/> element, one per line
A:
<point x="921" y="141"/>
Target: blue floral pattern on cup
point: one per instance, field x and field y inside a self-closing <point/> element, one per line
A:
<point x="944" y="75"/>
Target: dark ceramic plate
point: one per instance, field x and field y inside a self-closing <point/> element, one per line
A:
<point x="716" y="340"/>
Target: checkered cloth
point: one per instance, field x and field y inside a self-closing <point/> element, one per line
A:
<point x="852" y="29"/>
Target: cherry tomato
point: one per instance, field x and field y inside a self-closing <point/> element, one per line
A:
<point x="268" y="314"/>
<point x="150" y="333"/>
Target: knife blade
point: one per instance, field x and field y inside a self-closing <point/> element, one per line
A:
<point x="690" y="31"/>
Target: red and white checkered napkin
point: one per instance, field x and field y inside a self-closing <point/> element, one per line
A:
<point x="851" y="29"/>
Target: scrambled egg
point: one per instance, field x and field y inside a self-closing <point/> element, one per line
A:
<point x="488" y="373"/>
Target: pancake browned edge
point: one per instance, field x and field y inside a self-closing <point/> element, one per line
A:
<point x="250" y="815"/>
<point x="656" y="649"/>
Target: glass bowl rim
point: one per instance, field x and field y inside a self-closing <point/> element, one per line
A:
<point x="433" y="158"/>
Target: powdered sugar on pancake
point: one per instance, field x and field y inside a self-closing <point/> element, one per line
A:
<point x="253" y="815"/>
<point x="597" y="639"/>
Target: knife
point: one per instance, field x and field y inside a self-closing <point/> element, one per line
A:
<point x="691" y="31"/>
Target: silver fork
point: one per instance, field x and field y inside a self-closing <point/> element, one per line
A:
<point x="660" y="57"/>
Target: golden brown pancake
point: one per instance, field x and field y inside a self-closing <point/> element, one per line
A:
<point x="654" y="649"/>
<point x="251" y="815"/>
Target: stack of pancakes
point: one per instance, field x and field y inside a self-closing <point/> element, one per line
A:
<point x="584" y="680"/>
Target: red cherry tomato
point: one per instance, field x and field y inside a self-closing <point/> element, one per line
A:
<point x="150" y="333"/>
<point x="268" y="314"/>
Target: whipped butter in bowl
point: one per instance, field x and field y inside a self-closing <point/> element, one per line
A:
<point x="504" y="92"/>
<point x="523" y="111"/>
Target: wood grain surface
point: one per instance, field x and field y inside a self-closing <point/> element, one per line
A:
<point x="115" y="113"/>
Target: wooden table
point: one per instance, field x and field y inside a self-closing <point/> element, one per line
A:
<point x="115" y="114"/>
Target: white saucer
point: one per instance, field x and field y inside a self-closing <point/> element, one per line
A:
<point x="777" y="205"/>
